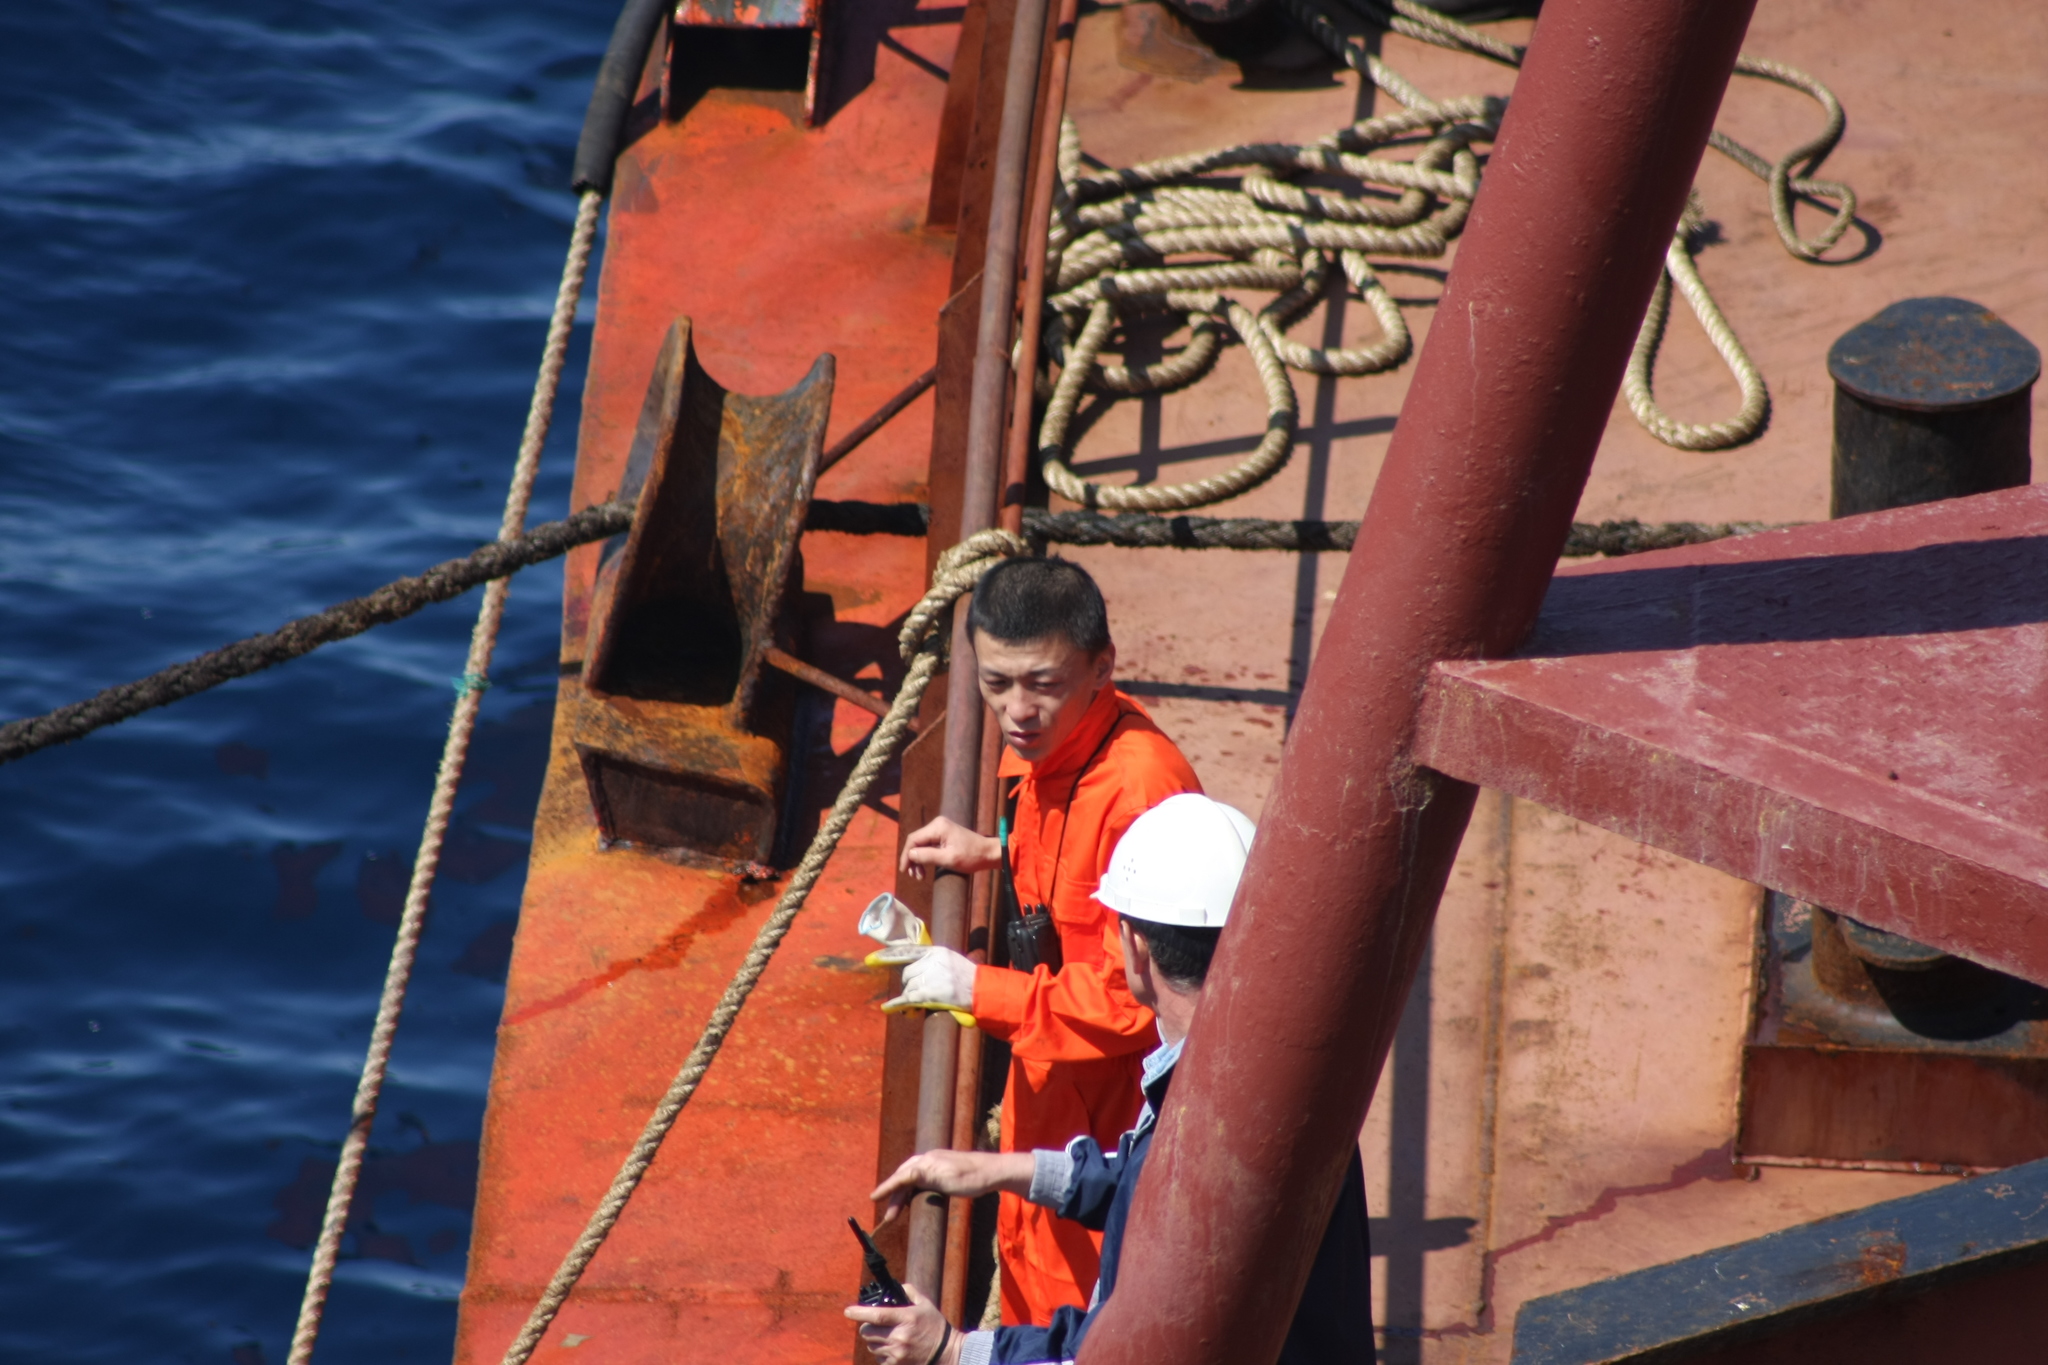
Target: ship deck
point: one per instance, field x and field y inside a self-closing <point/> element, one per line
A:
<point x="1561" y="1103"/>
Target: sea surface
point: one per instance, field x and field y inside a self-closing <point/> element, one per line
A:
<point x="274" y="276"/>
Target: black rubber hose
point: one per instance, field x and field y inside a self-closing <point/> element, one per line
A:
<point x="597" y="151"/>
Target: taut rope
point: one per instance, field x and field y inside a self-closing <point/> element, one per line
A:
<point x="392" y="602"/>
<point x="922" y="643"/>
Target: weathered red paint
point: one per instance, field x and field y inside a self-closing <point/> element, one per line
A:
<point x="1850" y="712"/>
<point x="735" y="1248"/>
<point x="1513" y="388"/>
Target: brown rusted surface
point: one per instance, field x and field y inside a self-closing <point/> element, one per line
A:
<point x="976" y="175"/>
<point x="681" y="742"/>
<point x="956" y="125"/>
<point x="1941" y="1066"/>
<point x="1937" y="1112"/>
<point x="917" y="804"/>
<point x="1023" y="429"/>
<point x="1151" y="38"/>
<point x="950" y="397"/>
<point x="1560" y="1107"/>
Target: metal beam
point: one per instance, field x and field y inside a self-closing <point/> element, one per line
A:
<point x="1510" y="397"/>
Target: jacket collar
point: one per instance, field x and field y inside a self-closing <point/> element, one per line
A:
<point x="1077" y="748"/>
<point x="1158" y="1074"/>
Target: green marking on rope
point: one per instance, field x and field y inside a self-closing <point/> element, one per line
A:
<point x="470" y="682"/>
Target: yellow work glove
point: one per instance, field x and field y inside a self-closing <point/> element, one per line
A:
<point x="940" y="979"/>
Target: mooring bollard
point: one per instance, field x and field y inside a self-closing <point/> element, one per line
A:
<point x="1933" y="399"/>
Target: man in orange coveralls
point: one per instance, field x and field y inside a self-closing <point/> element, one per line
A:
<point x="1086" y="761"/>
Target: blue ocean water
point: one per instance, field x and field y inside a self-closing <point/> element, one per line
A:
<point x="273" y="281"/>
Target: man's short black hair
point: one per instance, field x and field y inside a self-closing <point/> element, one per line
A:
<point x="1032" y="599"/>
<point x="1181" y="955"/>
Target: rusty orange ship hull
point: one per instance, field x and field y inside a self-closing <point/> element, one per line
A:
<point x="779" y="243"/>
<point x="1563" y="1101"/>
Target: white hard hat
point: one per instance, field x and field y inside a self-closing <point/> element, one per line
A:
<point x="1179" y="863"/>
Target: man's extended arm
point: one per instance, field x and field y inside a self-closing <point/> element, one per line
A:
<point x="964" y="1175"/>
<point x="1077" y="1183"/>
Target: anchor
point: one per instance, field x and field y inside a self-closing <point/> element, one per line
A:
<point x="681" y="728"/>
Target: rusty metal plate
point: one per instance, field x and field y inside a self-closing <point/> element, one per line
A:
<point x="1937" y="1066"/>
<point x="1855" y="713"/>
<point x="680" y="734"/>
<point x="1933" y="355"/>
<point x="749" y="13"/>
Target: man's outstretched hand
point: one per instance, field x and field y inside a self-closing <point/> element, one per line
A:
<point x="939" y="979"/>
<point x="948" y="847"/>
<point x="907" y="1336"/>
<point x="964" y="1175"/>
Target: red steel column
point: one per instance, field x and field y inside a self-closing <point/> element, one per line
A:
<point x="1524" y="357"/>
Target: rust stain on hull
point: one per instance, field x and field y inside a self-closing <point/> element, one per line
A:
<point x="719" y="910"/>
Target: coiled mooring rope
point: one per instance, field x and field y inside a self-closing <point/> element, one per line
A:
<point x="922" y="644"/>
<point x="454" y="752"/>
<point x="1789" y="177"/>
<point x="1114" y="237"/>
<point x="1171" y="236"/>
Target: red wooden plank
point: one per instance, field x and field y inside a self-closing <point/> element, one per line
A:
<point x="1854" y="712"/>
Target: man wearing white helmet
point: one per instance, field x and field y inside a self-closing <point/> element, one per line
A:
<point x="1171" y="882"/>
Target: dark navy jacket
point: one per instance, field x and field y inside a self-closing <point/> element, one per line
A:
<point x="1333" y="1325"/>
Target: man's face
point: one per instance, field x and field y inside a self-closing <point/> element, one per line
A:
<point x="1038" y="689"/>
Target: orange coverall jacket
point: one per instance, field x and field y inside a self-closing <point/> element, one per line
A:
<point x="1076" y="1038"/>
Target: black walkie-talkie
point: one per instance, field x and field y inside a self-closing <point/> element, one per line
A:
<point x="1033" y="939"/>
<point x="883" y="1290"/>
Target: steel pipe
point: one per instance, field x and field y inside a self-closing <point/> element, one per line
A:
<point x="1023" y="429"/>
<point x="1510" y="396"/>
<point x="924" y="1261"/>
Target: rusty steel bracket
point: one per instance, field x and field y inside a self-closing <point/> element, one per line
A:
<point x="802" y="21"/>
<point x="1913" y="1061"/>
<point x="682" y="738"/>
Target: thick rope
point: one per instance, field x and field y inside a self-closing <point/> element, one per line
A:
<point x="461" y="725"/>
<point x="392" y="602"/>
<point x="1114" y="235"/>
<point x="1635" y="381"/>
<point x="397" y="600"/>
<point x="1310" y="537"/>
<point x="1784" y="179"/>
<point x="922" y="642"/>
<point x="1139" y="531"/>
<point x="1171" y="235"/>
